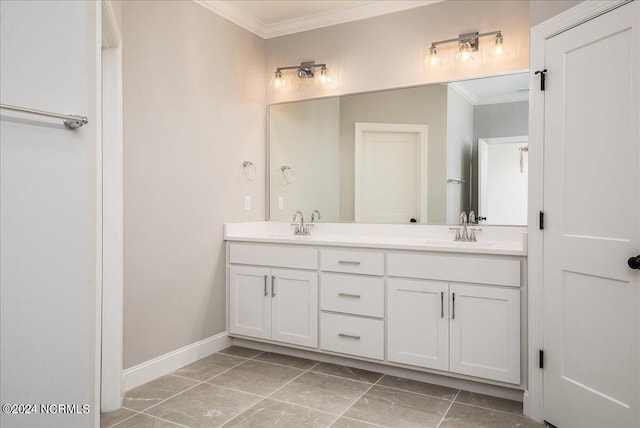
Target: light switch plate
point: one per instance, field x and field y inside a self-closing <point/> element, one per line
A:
<point x="280" y="203"/>
<point x="247" y="203"/>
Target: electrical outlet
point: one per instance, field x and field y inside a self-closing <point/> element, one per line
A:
<point x="280" y="203"/>
<point x="247" y="203"/>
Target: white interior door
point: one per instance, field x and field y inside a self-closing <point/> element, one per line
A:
<point x="502" y="179"/>
<point x="398" y="195"/>
<point x="591" y="202"/>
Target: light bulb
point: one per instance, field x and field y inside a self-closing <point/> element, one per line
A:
<point x="464" y="52"/>
<point x="324" y="78"/>
<point x="499" y="49"/>
<point x="434" y="61"/>
<point x="279" y="81"/>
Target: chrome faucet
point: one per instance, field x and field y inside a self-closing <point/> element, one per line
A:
<point x="464" y="235"/>
<point x="313" y="215"/>
<point x="300" y="228"/>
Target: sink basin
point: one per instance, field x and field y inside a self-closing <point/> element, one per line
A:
<point x="457" y="244"/>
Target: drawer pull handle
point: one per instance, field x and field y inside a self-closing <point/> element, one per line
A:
<point x="273" y="286"/>
<point x="453" y="309"/>
<point x="356" y="296"/>
<point x="349" y="336"/>
<point x="348" y="262"/>
<point x="266" y="278"/>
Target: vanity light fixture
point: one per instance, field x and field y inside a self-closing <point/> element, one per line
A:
<point x="306" y="70"/>
<point x="467" y="44"/>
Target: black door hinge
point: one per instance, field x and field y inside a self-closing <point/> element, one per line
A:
<point x="542" y="74"/>
<point x="541" y="358"/>
<point x="541" y="221"/>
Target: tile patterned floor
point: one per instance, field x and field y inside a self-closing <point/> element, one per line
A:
<point x="241" y="387"/>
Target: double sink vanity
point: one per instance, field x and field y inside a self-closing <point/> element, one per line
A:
<point x="405" y="296"/>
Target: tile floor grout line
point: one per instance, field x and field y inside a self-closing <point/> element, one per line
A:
<point x="492" y="409"/>
<point x="356" y="400"/>
<point x="301" y="406"/>
<point x="269" y="396"/>
<point x="125" y="419"/>
<point x="169" y="398"/>
<point x="419" y="393"/>
<point x="281" y="365"/>
<point x="222" y="372"/>
<point x="236" y="390"/>
<point x="167" y="420"/>
<point x="199" y="382"/>
<point x="448" y="408"/>
<point x="358" y="420"/>
<point x="225" y="354"/>
<point x="345" y="377"/>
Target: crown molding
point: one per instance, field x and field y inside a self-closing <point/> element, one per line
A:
<point x="229" y="11"/>
<point x="473" y="99"/>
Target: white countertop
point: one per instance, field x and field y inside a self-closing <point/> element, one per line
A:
<point x="500" y="240"/>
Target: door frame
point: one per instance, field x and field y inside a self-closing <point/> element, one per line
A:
<point x="423" y="135"/>
<point x="111" y="228"/>
<point x="533" y="400"/>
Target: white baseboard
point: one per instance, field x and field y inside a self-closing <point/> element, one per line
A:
<point x="171" y="361"/>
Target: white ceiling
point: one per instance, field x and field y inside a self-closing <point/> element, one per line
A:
<point x="273" y="18"/>
<point x="493" y="90"/>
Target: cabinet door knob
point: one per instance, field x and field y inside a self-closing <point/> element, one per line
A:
<point x="634" y="262"/>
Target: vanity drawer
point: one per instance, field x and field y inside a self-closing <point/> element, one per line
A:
<point x="366" y="262"/>
<point x="298" y="257"/>
<point x="351" y="335"/>
<point x="458" y="268"/>
<point x="351" y="294"/>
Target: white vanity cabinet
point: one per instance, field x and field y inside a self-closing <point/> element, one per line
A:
<point x="471" y="329"/>
<point x="274" y="303"/>
<point x="352" y="302"/>
<point x="448" y="312"/>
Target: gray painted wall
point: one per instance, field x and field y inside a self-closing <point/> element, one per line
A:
<point x="194" y="110"/>
<point x="389" y="51"/>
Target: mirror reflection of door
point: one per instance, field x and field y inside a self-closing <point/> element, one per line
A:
<point x="390" y="165"/>
<point x="503" y="170"/>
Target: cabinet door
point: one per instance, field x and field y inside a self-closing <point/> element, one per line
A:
<point x="485" y="332"/>
<point x="294" y="307"/>
<point x="418" y="324"/>
<point x="250" y="301"/>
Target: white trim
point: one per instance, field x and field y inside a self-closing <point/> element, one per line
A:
<point x="423" y="133"/>
<point x="229" y="11"/>
<point x="171" y="361"/>
<point x="111" y="35"/>
<point x="533" y="403"/>
<point x="465" y="93"/>
<point x="112" y="230"/>
<point x="97" y="360"/>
